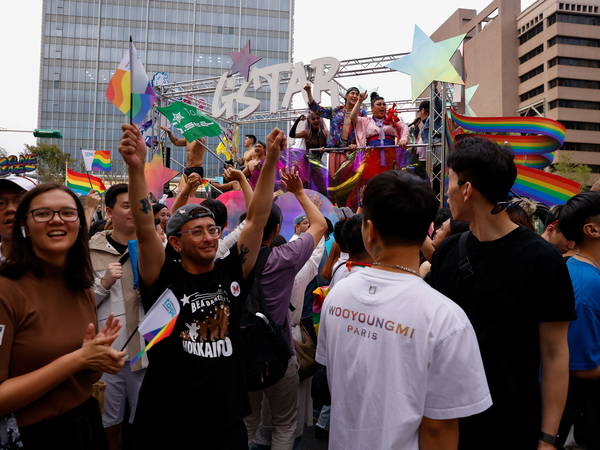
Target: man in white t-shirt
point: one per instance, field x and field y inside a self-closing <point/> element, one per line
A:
<point x="402" y="360"/>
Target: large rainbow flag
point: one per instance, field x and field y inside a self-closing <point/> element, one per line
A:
<point x="544" y="187"/>
<point x="128" y="85"/>
<point x="102" y="160"/>
<point x="82" y="183"/>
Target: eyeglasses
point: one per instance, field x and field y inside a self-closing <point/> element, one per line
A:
<point x="212" y="231"/>
<point x="42" y="215"/>
<point x="5" y="200"/>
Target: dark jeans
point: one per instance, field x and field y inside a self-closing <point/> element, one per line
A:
<point x="582" y="411"/>
<point x="78" y="429"/>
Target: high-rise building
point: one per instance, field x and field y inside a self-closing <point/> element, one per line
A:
<point x="83" y="42"/>
<point x="544" y="61"/>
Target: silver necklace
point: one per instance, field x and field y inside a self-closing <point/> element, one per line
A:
<point x="589" y="258"/>
<point x="397" y="266"/>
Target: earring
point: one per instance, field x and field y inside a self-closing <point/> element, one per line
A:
<point x="23" y="231"/>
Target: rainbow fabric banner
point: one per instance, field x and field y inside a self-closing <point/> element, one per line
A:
<point x="101" y="161"/>
<point x="544" y="187"/>
<point x="129" y="88"/>
<point x="82" y="183"/>
<point x="159" y="335"/>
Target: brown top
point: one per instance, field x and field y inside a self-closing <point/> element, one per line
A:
<point x="41" y="320"/>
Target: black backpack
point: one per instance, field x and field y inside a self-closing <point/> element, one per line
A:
<point x="266" y="350"/>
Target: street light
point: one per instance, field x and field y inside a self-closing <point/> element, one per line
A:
<point x="47" y="133"/>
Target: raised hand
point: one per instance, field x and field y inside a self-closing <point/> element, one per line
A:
<point x="132" y="146"/>
<point x="302" y="117"/>
<point x="162" y="127"/>
<point x="96" y="352"/>
<point x="362" y="96"/>
<point x="91" y="200"/>
<point x="193" y="181"/>
<point x="233" y="174"/>
<point x="307" y="88"/>
<point x="291" y="180"/>
<point x="276" y="142"/>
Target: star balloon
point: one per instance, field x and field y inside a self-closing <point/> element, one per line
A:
<point x="157" y="175"/>
<point x="428" y="62"/>
<point x="469" y="93"/>
<point x="242" y="61"/>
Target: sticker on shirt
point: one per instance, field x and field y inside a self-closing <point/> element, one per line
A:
<point x="2" y="327"/>
<point x="235" y="289"/>
<point x="206" y="335"/>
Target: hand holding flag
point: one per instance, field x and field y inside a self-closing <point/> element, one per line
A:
<point x="132" y="147"/>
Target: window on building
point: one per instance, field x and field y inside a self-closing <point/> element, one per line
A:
<point x="530" y="54"/>
<point x="552" y="19"/>
<point x="532" y="73"/>
<point x="581" y="147"/>
<point x="572" y="82"/>
<point x="532" y="93"/>
<point x="587" y="126"/>
<point x="531" y="33"/>
<point x="578" y="104"/>
<point x="580" y="19"/>
<point x="572" y="40"/>
<point x="579" y="62"/>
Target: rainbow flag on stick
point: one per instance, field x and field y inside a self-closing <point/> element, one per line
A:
<point x="544" y="187"/>
<point x="159" y="321"/>
<point x="82" y="183"/>
<point x="129" y="85"/>
<point x="101" y="160"/>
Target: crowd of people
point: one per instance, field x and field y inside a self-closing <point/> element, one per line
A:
<point x="472" y="327"/>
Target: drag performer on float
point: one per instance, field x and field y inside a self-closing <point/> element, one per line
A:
<point x="341" y="130"/>
<point x="315" y="138"/>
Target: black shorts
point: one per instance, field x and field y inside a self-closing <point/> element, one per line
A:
<point x="189" y="170"/>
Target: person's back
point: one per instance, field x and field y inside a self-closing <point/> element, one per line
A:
<point x="402" y="360"/>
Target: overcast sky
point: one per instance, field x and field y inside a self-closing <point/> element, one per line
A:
<point x="340" y="28"/>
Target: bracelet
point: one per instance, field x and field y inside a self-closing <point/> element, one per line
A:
<point x="548" y="438"/>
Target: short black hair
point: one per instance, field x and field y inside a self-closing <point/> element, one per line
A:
<point x="489" y="167"/>
<point x="552" y="217"/>
<point x="338" y="236"/>
<point x="261" y="143"/>
<point x="577" y="212"/>
<point x="110" y="197"/>
<point x="329" y="227"/>
<point x="274" y="219"/>
<point x="424" y="105"/>
<point x="352" y="235"/>
<point x="251" y="136"/>
<point x="157" y="207"/>
<point x="218" y="209"/>
<point x="441" y="216"/>
<point x="401" y="207"/>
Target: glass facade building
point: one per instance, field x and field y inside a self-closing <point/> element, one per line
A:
<point x="83" y="42"/>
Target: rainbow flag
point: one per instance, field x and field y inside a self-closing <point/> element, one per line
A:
<point x="82" y="183"/>
<point x="158" y="335"/>
<point x="130" y="84"/>
<point x="101" y="160"/>
<point x="544" y="187"/>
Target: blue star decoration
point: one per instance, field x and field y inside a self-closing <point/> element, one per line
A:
<point x="242" y="61"/>
<point x="428" y="62"/>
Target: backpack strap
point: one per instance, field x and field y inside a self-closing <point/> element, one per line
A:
<point x="255" y="301"/>
<point x="465" y="269"/>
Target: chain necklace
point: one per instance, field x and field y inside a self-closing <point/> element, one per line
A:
<point x="590" y="259"/>
<point x="398" y="267"/>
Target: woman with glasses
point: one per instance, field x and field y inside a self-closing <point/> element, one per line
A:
<point x="50" y="352"/>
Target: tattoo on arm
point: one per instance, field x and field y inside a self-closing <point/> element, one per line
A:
<point x="145" y="208"/>
<point x="243" y="253"/>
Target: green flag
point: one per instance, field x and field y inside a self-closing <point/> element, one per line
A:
<point x="190" y="121"/>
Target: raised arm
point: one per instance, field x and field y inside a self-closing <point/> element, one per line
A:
<point x="176" y="141"/>
<point x="292" y="183"/>
<point x="298" y="135"/>
<point x="237" y="175"/>
<point x="188" y="189"/>
<point x="356" y="109"/>
<point x="260" y="206"/>
<point x="402" y="131"/>
<point x="151" y="250"/>
<point x="314" y="106"/>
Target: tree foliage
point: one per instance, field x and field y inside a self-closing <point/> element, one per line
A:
<point x="566" y="167"/>
<point x="52" y="162"/>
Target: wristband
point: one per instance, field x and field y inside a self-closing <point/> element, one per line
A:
<point x="548" y="438"/>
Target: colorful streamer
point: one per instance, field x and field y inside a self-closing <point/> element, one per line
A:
<point x="544" y="187"/>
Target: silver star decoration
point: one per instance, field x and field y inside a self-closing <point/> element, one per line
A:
<point x="185" y="300"/>
<point x="242" y="61"/>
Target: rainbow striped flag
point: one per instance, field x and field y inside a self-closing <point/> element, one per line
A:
<point x="101" y="160"/>
<point x="159" y="335"/>
<point x="130" y="84"/>
<point x="544" y="187"/>
<point x="82" y="183"/>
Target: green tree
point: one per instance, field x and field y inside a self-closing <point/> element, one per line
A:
<point x="566" y="167"/>
<point x="52" y="162"/>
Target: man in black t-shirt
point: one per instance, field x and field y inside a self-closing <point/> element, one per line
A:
<point x="515" y="289"/>
<point x="193" y="392"/>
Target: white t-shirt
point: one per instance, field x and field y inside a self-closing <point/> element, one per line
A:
<point x="341" y="272"/>
<point x="396" y="350"/>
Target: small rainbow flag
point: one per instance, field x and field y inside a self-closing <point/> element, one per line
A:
<point x="101" y="160"/>
<point x="155" y="337"/>
<point x="544" y="187"/>
<point x="82" y="183"/>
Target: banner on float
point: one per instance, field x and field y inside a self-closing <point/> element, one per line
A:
<point x="13" y="165"/>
